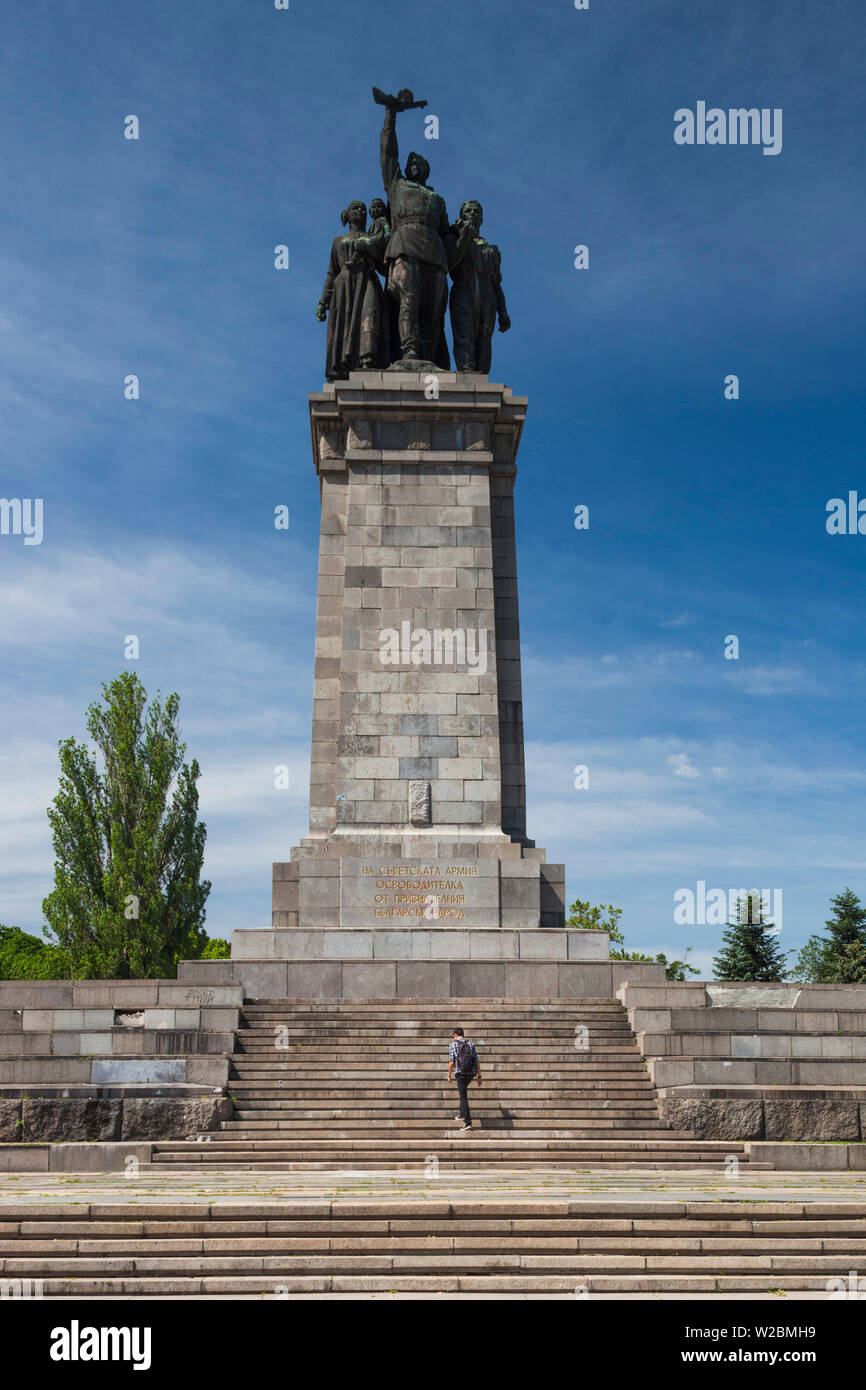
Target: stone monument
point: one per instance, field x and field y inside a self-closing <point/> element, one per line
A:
<point x="417" y="791"/>
<point x="417" y="876"/>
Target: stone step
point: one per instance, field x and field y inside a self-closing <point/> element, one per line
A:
<point x="618" y="1213"/>
<point x="625" y="1124"/>
<point x="412" y="1218"/>
<point x="398" y="1286"/>
<point x="389" y="1049"/>
<point x="478" y="1145"/>
<point x="363" y="1083"/>
<point x="421" y="1029"/>
<point x="490" y="1118"/>
<point x="668" y="1246"/>
<point x="539" y="1159"/>
<point x="486" y="1098"/>
<point x="622" y="1072"/>
<point x="506" y="1039"/>
<point x="453" y="1262"/>
<point x="428" y="1125"/>
<point x="447" y="1005"/>
<point x="528" y="1034"/>
<point x="468" y="1155"/>
<point x="532" y="1092"/>
<point x="399" y="1131"/>
<point x="417" y="1030"/>
<point x="501" y="1139"/>
<point x="489" y="1115"/>
<point x="428" y="1052"/>
<point x="601" y="1066"/>
<point x="618" y="1246"/>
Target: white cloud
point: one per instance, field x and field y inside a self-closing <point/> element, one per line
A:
<point x="683" y="766"/>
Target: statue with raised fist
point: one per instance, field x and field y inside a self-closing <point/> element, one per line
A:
<point x="415" y="255"/>
<point x="410" y="243"/>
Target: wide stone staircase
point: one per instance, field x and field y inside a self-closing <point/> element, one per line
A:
<point x="398" y="1248"/>
<point x="342" y="1084"/>
<point x="338" y="1086"/>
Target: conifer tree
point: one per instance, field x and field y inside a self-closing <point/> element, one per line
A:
<point x="840" y="957"/>
<point x="749" y="950"/>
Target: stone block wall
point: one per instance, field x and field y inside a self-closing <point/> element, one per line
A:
<point x="741" y="1061"/>
<point x="455" y="974"/>
<point x="417" y="739"/>
<point x="111" y="1060"/>
<point x="70" y="1119"/>
<point x="417" y="536"/>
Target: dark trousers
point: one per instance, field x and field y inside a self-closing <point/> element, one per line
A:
<point x="472" y="323"/>
<point x="462" y="1084"/>
<point x="421" y="292"/>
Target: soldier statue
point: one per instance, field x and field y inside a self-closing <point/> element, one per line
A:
<point x="410" y="243"/>
<point x="476" y="294"/>
<point x="415" y="255"/>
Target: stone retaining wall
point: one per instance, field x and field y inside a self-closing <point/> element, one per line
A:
<point x="816" y="1115"/>
<point x="114" y="1060"/>
<point x="738" y="1061"/>
<point x="64" y="1119"/>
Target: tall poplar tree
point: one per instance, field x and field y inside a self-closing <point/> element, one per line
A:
<point x="128" y="899"/>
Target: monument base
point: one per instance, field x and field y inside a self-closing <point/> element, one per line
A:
<point x="393" y="976"/>
<point x="440" y="886"/>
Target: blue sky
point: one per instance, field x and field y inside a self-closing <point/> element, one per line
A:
<point x="707" y="516"/>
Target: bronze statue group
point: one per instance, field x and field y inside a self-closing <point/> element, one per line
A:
<point x="413" y="247"/>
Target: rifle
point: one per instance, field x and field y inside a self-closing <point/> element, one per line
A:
<point x="403" y="101"/>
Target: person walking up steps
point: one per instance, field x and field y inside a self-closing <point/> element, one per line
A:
<point x="465" y="1067"/>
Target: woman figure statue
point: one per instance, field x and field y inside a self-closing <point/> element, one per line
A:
<point x="353" y="300"/>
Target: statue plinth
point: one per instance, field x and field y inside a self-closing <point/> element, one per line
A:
<point x="417" y="791"/>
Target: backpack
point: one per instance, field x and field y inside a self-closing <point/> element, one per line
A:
<point x="466" y="1063"/>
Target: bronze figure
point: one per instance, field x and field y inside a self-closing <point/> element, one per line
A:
<point x="415" y="254"/>
<point x="477" y="297"/>
<point x="352" y="299"/>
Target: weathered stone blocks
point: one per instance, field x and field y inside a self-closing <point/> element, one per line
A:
<point x="56" y="1121"/>
<point x="417" y="722"/>
<point x="714" y="1119"/>
<point x="165" y="1118"/>
<point x="811" y="1119"/>
<point x="10" y="1121"/>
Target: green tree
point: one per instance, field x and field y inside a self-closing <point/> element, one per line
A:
<point x="840" y="957"/>
<point x="585" y="917"/>
<point x="26" y="957"/>
<point x="216" y="948"/>
<point x="750" y="951"/>
<point x="128" y="899"/>
<point x="588" y="918"/>
<point x="678" y="970"/>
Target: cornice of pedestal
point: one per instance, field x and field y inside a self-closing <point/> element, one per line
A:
<point x="391" y="418"/>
